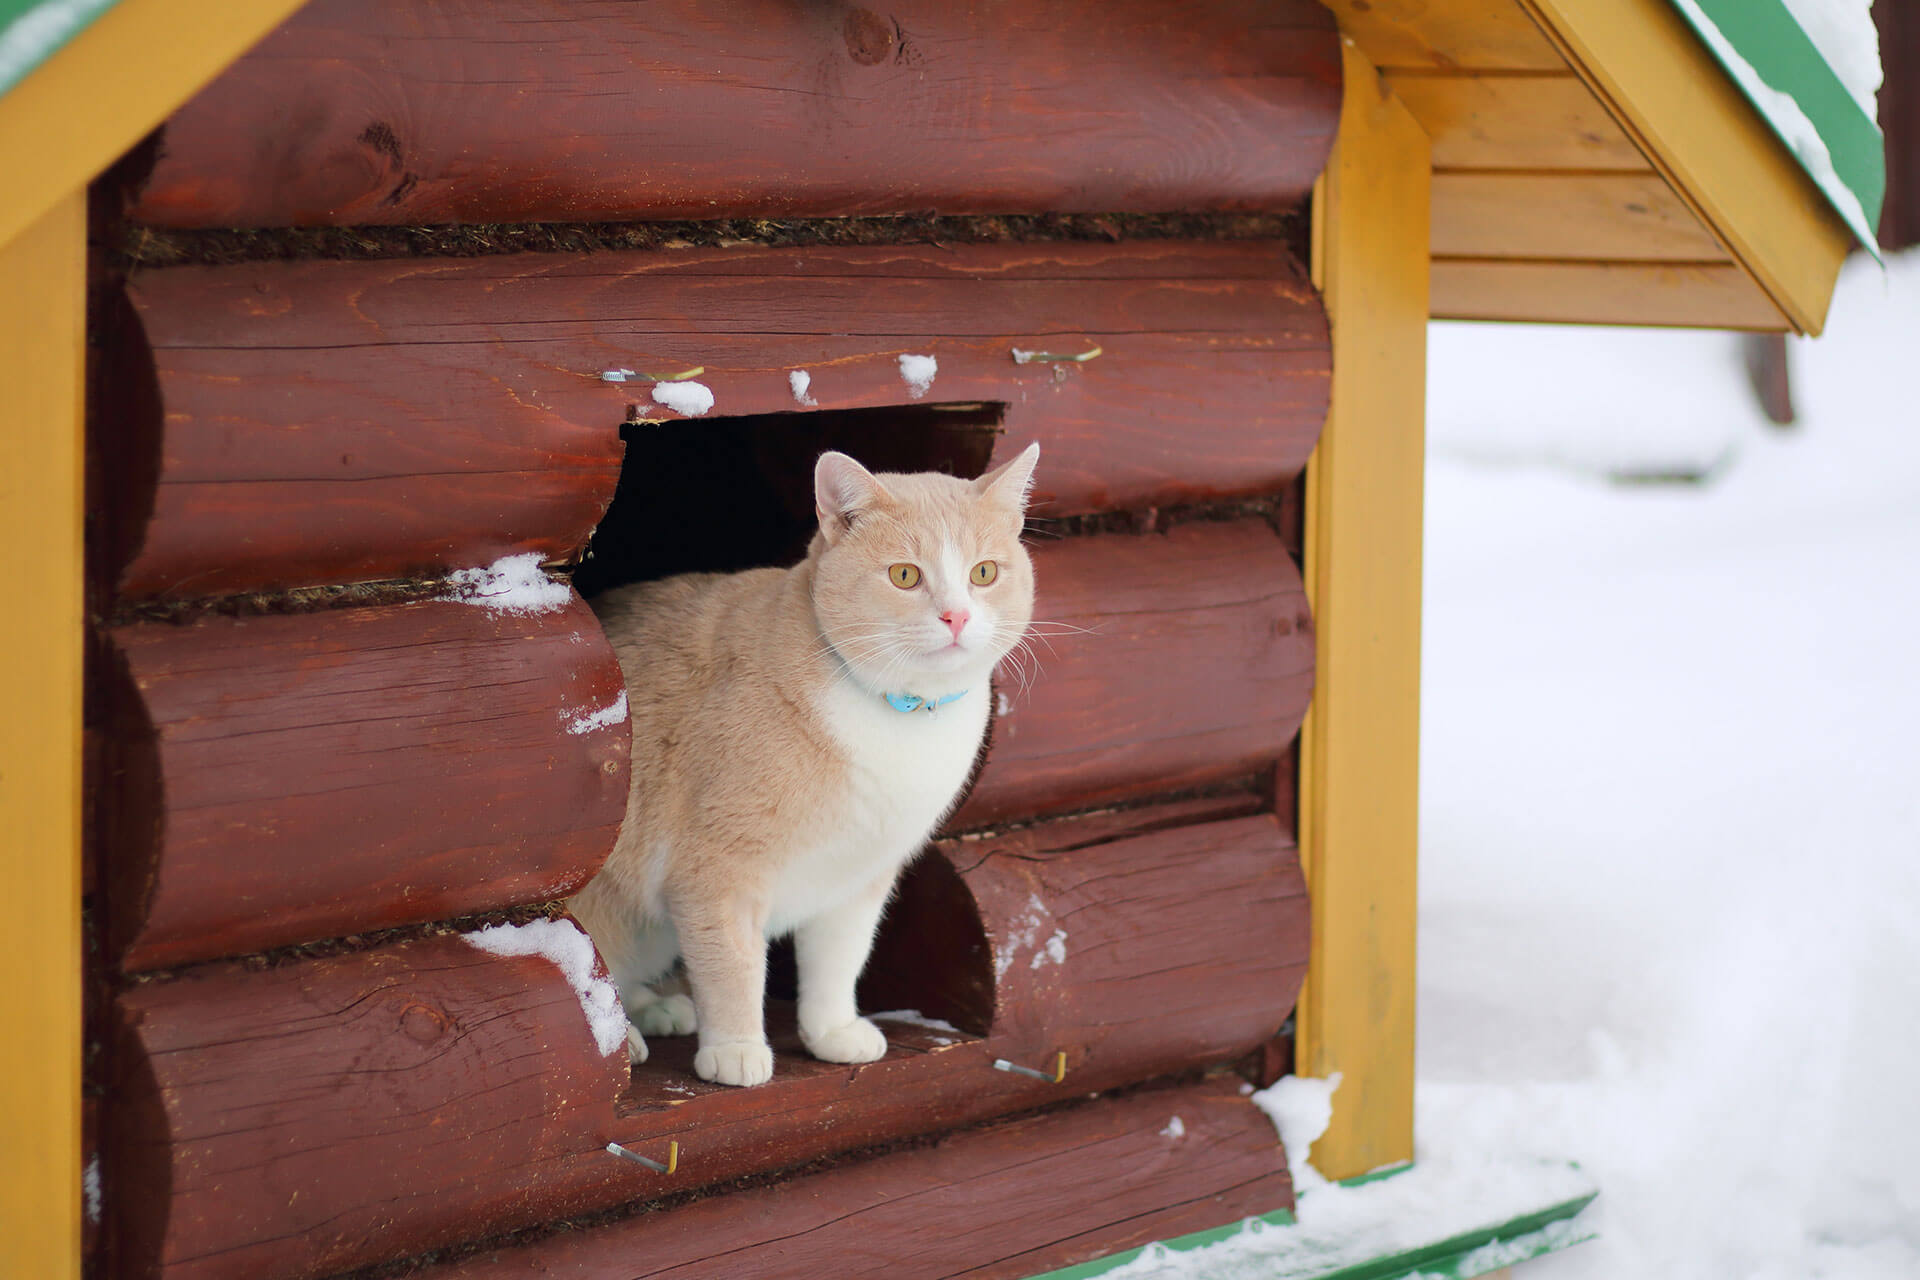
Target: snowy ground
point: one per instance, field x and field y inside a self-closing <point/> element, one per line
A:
<point x="1670" y="892"/>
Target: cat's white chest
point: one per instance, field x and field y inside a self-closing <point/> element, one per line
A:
<point x="904" y="771"/>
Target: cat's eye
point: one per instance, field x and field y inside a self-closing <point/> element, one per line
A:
<point x="904" y="576"/>
<point x="984" y="573"/>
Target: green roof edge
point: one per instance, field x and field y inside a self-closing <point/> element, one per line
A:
<point x="1520" y="1238"/>
<point x="1784" y="57"/>
<point x="31" y="31"/>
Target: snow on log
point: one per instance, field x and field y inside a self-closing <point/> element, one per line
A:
<point x="295" y="423"/>
<point x="357" y="112"/>
<point x="1171" y="660"/>
<point x="278" y="779"/>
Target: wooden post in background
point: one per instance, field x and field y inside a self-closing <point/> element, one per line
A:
<point x="1359" y="773"/>
<point x="42" y="363"/>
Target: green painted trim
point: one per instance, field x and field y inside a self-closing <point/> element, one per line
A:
<point x="1766" y="35"/>
<point x="1522" y="1238"/>
<point x="31" y="31"/>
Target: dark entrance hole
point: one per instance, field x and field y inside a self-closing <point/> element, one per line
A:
<point x="715" y="495"/>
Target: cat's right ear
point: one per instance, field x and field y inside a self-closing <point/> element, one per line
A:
<point x="842" y="489"/>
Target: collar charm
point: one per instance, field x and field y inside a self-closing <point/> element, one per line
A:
<point x="913" y="702"/>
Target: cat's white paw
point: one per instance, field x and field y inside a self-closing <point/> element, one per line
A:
<point x="668" y="1016"/>
<point x="741" y="1062"/>
<point x="856" y="1041"/>
<point x="636" y="1046"/>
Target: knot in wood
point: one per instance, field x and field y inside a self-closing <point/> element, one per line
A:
<point x="423" y="1024"/>
<point x="869" y="37"/>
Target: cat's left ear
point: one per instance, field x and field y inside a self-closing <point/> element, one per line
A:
<point x="842" y="489"/>
<point x="1007" y="485"/>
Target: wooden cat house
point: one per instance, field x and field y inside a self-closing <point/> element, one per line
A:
<point x="346" y="344"/>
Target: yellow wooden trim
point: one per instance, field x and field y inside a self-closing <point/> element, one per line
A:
<point x="1359" y="767"/>
<point x="114" y="82"/>
<point x="1705" y="295"/>
<point x="42" y="357"/>
<point x="1627" y="217"/>
<point x="1544" y="120"/>
<point x="1451" y="33"/>
<point x="1703" y="135"/>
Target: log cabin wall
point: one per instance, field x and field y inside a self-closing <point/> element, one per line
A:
<point x="329" y="751"/>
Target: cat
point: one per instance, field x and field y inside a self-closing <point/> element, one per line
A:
<point x="797" y="736"/>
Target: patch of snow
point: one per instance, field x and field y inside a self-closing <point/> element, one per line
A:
<point x="1054" y="949"/>
<point x="1021" y="936"/>
<point x="1703" y="990"/>
<point x="1176" y="1128"/>
<point x="1301" y="1108"/>
<point x="1520" y="417"/>
<point x="1788" y="120"/>
<point x="571" y="951"/>
<point x="40" y="32"/>
<point x="1843" y="32"/>
<point x="1339" y="1227"/>
<point x="798" y="381"/>
<point x="690" y="398"/>
<point x="90" y="1188"/>
<point x="512" y="584"/>
<point x="918" y="373"/>
<point x="613" y="713"/>
<point x="914" y="1018"/>
<point x="1002" y="704"/>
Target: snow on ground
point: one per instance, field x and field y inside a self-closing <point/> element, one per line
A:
<point x="1670" y="807"/>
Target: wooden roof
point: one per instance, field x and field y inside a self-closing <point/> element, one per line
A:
<point x="1592" y="162"/>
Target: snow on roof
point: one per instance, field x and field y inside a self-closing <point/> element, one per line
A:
<point x="1817" y="93"/>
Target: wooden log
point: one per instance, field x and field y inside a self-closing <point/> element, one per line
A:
<point x="285" y="778"/>
<point x="358" y="112"/>
<point x="293" y="1122"/>
<point x="1183" y="946"/>
<point x="996" y="1203"/>
<point x="1177" y="659"/>
<point x="323" y="421"/>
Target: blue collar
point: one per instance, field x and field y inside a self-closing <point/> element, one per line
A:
<point x="912" y="702"/>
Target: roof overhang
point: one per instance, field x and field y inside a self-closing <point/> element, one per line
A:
<point x="1594" y="162"/>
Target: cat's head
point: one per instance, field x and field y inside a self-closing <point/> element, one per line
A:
<point x="920" y="581"/>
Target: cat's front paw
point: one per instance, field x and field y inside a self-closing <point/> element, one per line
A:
<point x="740" y="1062"/>
<point x="668" y="1016"/>
<point x="856" y="1041"/>
<point x="636" y="1046"/>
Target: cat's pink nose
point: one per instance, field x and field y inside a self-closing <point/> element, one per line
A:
<point x="956" y="620"/>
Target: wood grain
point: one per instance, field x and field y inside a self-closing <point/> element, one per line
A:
<point x="333" y="1113"/>
<point x="1589" y="217"/>
<point x="1710" y="295"/>
<point x="358" y="112"/>
<point x="997" y="1203"/>
<point x="1176" y="659"/>
<point x="282" y="779"/>
<point x="1459" y="35"/>
<point x="1516" y="121"/>
<point x="327" y="421"/>
<point x="297" y="1121"/>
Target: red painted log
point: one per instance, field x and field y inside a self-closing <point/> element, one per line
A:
<point x="294" y="1122"/>
<point x="1176" y="659"/>
<point x="1138" y="944"/>
<point x="358" y="111"/>
<point x="996" y="1203"/>
<point x="326" y="421"/>
<point x="285" y="778"/>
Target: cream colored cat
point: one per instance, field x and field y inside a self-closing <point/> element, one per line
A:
<point x="797" y="735"/>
